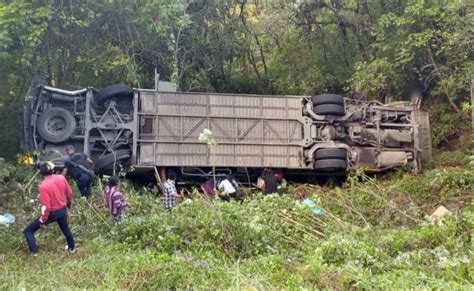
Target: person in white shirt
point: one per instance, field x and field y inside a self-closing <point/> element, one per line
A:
<point x="228" y="188"/>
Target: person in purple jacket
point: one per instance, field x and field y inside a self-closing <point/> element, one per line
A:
<point x="114" y="198"/>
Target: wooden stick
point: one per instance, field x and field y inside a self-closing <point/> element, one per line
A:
<point x="100" y="183"/>
<point x="31" y="181"/>
<point x="315" y="220"/>
<point x="472" y="104"/>
<point x="159" y="182"/>
<point x="344" y="205"/>
<point x="387" y="202"/>
<point x="337" y="219"/>
<point x="304" y="227"/>
<point x="248" y="176"/>
<point x="99" y="215"/>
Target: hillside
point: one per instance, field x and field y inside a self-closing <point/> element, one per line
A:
<point x="370" y="232"/>
<point x="375" y="233"/>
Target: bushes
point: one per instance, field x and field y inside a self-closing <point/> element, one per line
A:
<point x="12" y="178"/>
<point x="426" y="255"/>
<point x="453" y="182"/>
<point x="365" y="240"/>
<point x="236" y="230"/>
<point x="444" y="124"/>
<point x="202" y="245"/>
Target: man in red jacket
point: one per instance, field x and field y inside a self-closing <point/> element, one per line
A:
<point x="55" y="200"/>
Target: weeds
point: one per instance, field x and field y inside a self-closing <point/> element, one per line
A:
<point x="374" y="235"/>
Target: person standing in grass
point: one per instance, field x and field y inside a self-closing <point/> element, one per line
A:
<point x="170" y="193"/>
<point x="55" y="200"/>
<point x="114" y="198"/>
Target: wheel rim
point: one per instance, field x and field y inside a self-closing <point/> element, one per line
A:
<point x="56" y="125"/>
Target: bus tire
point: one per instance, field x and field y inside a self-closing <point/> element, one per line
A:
<point x="107" y="162"/>
<point x="330" y="165"/>
<point x="330" y="153"/>
<point x="330" y="109"/>
<point x="109" y="92"/>
<point x="56" y="124"/>
<point x="327" y="99"/>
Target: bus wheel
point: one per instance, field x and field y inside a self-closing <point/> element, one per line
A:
<point x="110" y="161"/>
<point x="56" y="125"/>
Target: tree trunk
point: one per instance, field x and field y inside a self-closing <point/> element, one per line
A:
<point x="324" y="51"/>
<point x="472" y="105"/>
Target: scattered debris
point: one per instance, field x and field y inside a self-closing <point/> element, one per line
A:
<point x="7" y="219"/>
<point x="439" y="213"/>
<point x="315" y="208"/>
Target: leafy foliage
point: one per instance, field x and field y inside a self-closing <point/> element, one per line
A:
<point x="388" y="49"/>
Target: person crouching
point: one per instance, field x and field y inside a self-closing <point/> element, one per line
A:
<point x="55" y="200"/>
<point x="228" y="188"/>
<point x="114" y="198"/>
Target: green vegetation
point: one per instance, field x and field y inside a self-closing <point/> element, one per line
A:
<point x="375" y="234"/>
<point x="387" y="48"/>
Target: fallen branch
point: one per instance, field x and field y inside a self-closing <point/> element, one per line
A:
<point x="27" y="186"/>
<point x="351" y="209"/>
<point x="303" y="227"/>
<point x="316" y="222"/>
<point x="99" y="215"/>
<point x="159" y="182"/>
<point x="100" y="184"/>
<point x="387" y="202"/>
<point x="337" y="219"/>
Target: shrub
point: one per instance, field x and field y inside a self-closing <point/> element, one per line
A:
<point x="444" y="123"/>
<point x="364" y="240"/>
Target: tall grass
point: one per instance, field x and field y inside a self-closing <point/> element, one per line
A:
<point x="374" y="234"/>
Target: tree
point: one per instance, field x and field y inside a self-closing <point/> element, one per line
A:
<point x="387" y="48"/>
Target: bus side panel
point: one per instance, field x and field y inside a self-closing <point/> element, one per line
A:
<point x="250" y="130"/>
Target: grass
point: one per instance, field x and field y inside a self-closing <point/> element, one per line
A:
<point x="375" y="235"/>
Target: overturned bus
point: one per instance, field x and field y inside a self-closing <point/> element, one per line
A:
<point x="159" y="128"/>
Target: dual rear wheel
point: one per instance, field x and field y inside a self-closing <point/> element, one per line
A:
<point x="330" y="160"/>
<point x="328" y="104"/>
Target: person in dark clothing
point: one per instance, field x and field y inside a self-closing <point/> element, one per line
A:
<point x="357" y="95"/>
<point x="417" y="89"/>
<point x="78" y="167"/>
<point x="271" y="182"/>
<point x="55" y="199"/>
